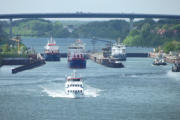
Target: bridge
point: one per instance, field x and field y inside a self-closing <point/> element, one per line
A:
<point x="131" y="16"/>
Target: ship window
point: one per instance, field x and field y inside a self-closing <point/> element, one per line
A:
<point x="76" y="79"/>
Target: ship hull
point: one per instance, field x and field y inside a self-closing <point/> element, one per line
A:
<point x="77" y="63"/>
<point x="113" y="65"/>
<point x="74" y="95"/>
<point x="158" y="64"/>
<point x="121" y="57"/>
<point x="52" y="56"/>
<point x="176" y="69"/>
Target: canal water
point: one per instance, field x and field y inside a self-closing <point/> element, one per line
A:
<point x="139" y="91"/>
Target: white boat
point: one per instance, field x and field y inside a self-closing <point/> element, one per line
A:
<point x="118" y="51"/>
<point x="74" y="86"/>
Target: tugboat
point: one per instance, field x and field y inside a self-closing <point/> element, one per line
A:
<point x="74" y="86"/>
<point x="51" y="52"/>
<point x="118" y="51"/>
<point x="158" y="61"/>
<point x="176" y="67"/>
<point x="76" y="55"/>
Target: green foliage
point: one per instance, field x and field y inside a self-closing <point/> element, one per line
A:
<point x="3" y="34"/>
<point x="5" y="48"/>
<point x="43" y="28"/>
<point x="148" y="33"/>
<point x="106" y="29"/>
<point x="171" y="46"/>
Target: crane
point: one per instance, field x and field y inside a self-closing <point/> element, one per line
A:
<point x="94" y="39"/>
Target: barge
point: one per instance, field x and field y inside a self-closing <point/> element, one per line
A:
<point x="106" y="61"/>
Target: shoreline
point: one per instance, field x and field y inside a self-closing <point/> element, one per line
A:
<point x="168" y="58"/>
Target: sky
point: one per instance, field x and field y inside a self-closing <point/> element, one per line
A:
<point x="90" y="6"/>
<point x="110" y="6"/>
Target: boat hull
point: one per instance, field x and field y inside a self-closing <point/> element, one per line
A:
<point x="112" y="64"/>
<point x="175" y="69"/>
<point x="77" y="63"/>
<point x="74" y="95"/>
<point x="121" y="57"/>
<point x="52" y="56"/>
<point x="159" y="64"/>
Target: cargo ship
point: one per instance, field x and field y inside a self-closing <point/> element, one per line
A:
<point x="51" y="52"/>
<point x="76" y="55"/>
<point x="74" y="86"/>
<point x="106" y="61"/>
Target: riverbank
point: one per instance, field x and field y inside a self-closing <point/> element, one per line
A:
<point x="170" y="58"/>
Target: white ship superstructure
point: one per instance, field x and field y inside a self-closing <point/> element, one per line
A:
<point x="74" y="86"/>
<point x="118" y="51"/>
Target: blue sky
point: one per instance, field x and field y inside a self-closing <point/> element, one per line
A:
<point x="111" y="6"/>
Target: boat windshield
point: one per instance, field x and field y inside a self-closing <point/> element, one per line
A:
<point x="74" y="79"/>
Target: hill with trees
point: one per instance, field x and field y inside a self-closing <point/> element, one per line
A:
<point x="45" y="28"/>
<point x="146" y="33"/>
<point x="150" y="33"/>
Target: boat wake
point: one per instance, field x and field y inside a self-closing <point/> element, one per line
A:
<point x="60" y="93"/>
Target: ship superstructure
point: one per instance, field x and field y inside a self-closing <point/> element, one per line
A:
<point x="74" y="86"/>
<point x="118" y="51"/>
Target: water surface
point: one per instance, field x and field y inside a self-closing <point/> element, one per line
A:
<point x="139" y="91"/>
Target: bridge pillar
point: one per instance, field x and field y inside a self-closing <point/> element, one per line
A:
<point x="10" y="28"/>
<point x="131" y="24"/>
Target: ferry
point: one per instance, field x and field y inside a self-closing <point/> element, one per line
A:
<point x="74" y="86"/>
<point x="118" y="51"/>
<point x="76" y="55"/>
<point x="51" y="52"/>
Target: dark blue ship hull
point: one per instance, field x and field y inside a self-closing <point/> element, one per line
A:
<point x="52" y="57"/>
<point x="77" y="63"/>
